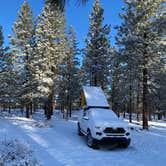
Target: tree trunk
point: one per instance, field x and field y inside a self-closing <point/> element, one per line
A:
<point x="9" y="110"/>
<point x="95" y="81"/>
<point x="145" y="92"/>
<point x="49" y="104"/>
<point x="35" y="105"/>
<point x="70" y="108"/>
<point x="159" y="116"/>
<point x="63" y="111"/>
<point x="27" y="111"/>
<point x="67" y="104"/>
<point x="4" y="109"/>
<point x="138" y="103"/>
<point x="47" y="110"/>
<point x="52" y="103"/>
<point x="149" y="112"/>
<point x="112" y="96"/>
<point x="145" y="86"/>
<point x="30" y="110"/>
<point x="130" y="104"/>
<point x="124" y="112"/>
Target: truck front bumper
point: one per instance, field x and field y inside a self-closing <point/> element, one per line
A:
<point x="114" y="140"/>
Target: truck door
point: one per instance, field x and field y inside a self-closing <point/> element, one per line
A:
<point x="84" y="120"/>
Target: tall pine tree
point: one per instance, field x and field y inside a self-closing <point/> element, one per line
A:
<point x="69" y="85"/>
<point x="3" y="69"/>
<point x="23" y="30"/>
<point x="96" y="60"/>
<point x="50" y="41"/>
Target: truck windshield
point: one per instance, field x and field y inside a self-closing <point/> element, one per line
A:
<point x="103" y="113"/>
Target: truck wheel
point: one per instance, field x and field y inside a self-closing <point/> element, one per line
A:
<point x="91" y="142"/>
<point x="79" y="130"/>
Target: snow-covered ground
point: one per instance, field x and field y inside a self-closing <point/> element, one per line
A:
<point x="56" y="143"/>
<point x="13" y="152"/>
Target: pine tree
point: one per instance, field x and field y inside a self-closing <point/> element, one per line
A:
<point x="7" y="76"/>
<point x="152" y="49"/>
<point x="96" y="60"/>
<point x="127" y="60"/>
<point x="69" y="85"/>
<point x="9" y="86"/>
<point x="23" y="30"/>
<point x="140" y="45"/>
<point x="50" y="41"/>
<point x="3" y="66"/>
<point x="61" y="3"/>
<point x="158" y="88"/>
<point x="2" y="50"/>
<point x="119" y="95"/>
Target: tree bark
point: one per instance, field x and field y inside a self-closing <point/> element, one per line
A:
<point x="112" y="96"/>
<point x="149" y="112"/>
<point x="145" y="86"/>
<point x="145" y="92"/>
<point x="49" y="104"/>
<point x="27" y="111"/>
<point x="138" y="103"/>
<point x="70" y="107"/>
<point x="30" y="110"/>
<point x="124" y="112"/>
<point x="130" y="104"/>
<point x="9" y="110"/>
<point x="95" y="81"/>
<point x="4" y="108"/>
<point x="47" y="110"/>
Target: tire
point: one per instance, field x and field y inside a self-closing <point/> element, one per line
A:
<point x="91" y="142"/>
<point x="79" y="130"/>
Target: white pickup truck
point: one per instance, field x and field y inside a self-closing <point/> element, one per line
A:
<point x="101" y="125"/>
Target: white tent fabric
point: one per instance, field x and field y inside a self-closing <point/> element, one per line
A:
<point x="95" y="96"/>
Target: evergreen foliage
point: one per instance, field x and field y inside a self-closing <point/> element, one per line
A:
<point x="44" y="66"/>
<point x="23" y="30"/>
<point x="141" y="50"/>
<point x="61" y="3"/>
<point x="50" y="41"/>
<point x="69" y="84"/>
<point x="97" y="51"/>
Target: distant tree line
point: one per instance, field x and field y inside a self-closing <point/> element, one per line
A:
<point x="44" y="67"/>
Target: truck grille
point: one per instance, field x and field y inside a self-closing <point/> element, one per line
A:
<point x="112" y="130"/>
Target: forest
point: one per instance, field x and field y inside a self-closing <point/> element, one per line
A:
<point x="43" y="67"/>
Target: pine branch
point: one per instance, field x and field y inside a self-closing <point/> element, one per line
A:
<point x="61" y="3"/>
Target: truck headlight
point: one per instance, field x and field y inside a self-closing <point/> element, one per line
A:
<point x="97" y="127"/>
<point x="98" y="133"/>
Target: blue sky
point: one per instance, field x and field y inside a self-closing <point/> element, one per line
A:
<point x="77" y="16"/>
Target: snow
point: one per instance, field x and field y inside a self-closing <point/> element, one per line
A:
<point x="105" y="118"/>
<point x="94" y="96"/>
<point x="14" y="152"/>
<point x="100" y="113"/>
<point x="57" y="143"/>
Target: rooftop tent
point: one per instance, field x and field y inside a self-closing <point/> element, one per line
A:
<point x="93" y="96"/>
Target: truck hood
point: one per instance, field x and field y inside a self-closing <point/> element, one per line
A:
<point x="111" y="123"/>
